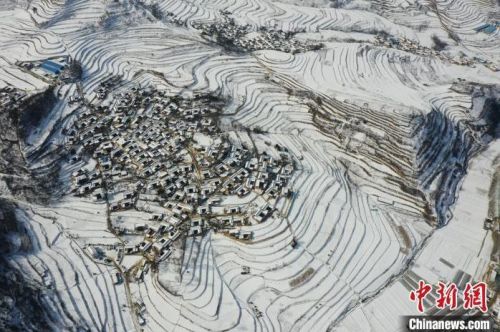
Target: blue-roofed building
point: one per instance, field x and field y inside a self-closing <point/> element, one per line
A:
<point x="487" y="28"/>
<point x="481" y="27"/>
<point x="52" y="67"/>
<point x="490" y="29"/>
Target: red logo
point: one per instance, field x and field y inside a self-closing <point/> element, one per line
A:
<point x="447" y="296"/>
<point x="474" y="296"/>
<point x="420" y="294"/>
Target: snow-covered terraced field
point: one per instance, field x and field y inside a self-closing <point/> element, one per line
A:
<point x="383" y="141"/>
<point x="89" y="299"/>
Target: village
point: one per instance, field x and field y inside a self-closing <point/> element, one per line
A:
<point x="239" y="38"/>
<point x="165" y="156"/>
<point x="408" y="45"/>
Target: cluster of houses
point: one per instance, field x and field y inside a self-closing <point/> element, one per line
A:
<point x="106" y="86"/>
<point x="10" y="97"/>
<point x="241" y="38"/>
<point x="143" y="145"/>
<point x="255" y="309"/>
<point x="412" y="46"/>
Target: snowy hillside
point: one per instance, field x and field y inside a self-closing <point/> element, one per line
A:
<point x="245" y="165"/>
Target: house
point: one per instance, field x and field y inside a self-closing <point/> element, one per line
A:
<point x="118" y="278"/>
<point x="129" y="249"/>
<point x="232" y="209"/>
<point x="187" y="208"/>
<point x="245" y="235"/>
<point x="237" y="221"/>
<point x="190" y="189"/>
<point x="151" y="231"/>
<point x="174" y="234"/>
<point x="226" y="220"/>
<point x="288" y="169"/>
<point x="127" y="203"/>
<point x="80" y="179"/>
<point x="273" y="190"/>
<point x="174" y="221"/>
<point x="157" y="216"/>
<point x="99" y="194"/>
<point x="194" y="231"/>
<point x="95" y="252"/>
<point x="161" y="243"/>
<point x="252" y="164"/>
<point x="263" y="213"/>
<point x="84" y="189"/>
<point x="145" y="245"/>
<point x="242" y="191"/>
<point x="204" y="209"/>
<point x="164" y="254"/>
<point x="179" y="195"/>
<point x="207" y="190"/>
<point x="140" y="227"/>
<point x="488" y="222"/>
